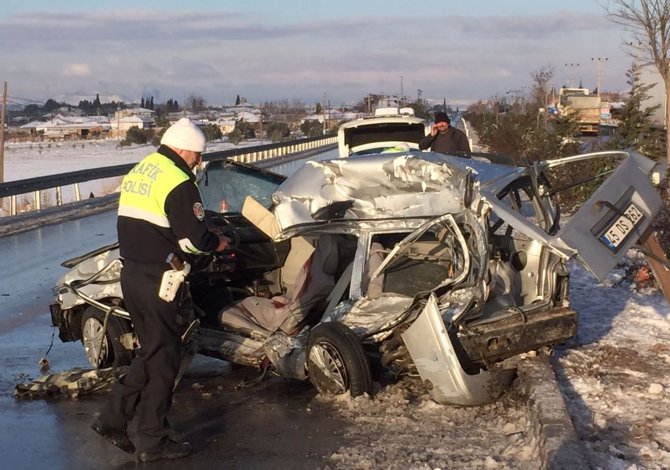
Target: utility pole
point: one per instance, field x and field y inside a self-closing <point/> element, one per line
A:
<point x="570" y="72"/>
<point x="260" y="129"/>
<point x="3" y="118"/>
<point x="324" y="113"/>
<point x="598" y="61"/>
<point x="402" y="94"/>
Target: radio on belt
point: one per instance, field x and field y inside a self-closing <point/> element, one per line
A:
<point x="173" y="278"/>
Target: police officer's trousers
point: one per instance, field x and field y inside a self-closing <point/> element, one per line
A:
<point x="146" y="391"/>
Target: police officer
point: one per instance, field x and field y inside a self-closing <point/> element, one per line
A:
<point x="160" y="212"/>
<point x="443" y="138"/>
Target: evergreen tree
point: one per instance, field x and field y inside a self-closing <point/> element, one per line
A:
<point x="172" y="106"/>
<point x="212" y="132"/>
<point x="51" y="104"/>
<point x="96" y="102"/>
<point x="312" y="128"/>
<point x="318" y="109"/>
<point x="151" y="103"/>
<point x="142" y="102"/>
<point x="278" y="131"/>
<point x="237" y="100"/>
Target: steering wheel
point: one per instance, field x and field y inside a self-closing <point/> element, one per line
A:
<point x="234" y="236"/>
<point x="219" y="223"/>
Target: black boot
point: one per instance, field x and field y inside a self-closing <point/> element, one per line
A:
<point x="170" y="451"/>
<point x="118" y="437"/>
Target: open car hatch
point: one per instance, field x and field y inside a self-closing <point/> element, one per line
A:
<point x="610" y="222"/>
<point x="615" y="216"/>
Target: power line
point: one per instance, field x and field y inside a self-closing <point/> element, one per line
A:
<point x="25" y="99"/>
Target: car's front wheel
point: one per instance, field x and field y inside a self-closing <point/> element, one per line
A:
<point x="103" y="349"/>
<point x="336" y="361"/>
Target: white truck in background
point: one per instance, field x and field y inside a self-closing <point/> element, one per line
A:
<point x="586" y="106"/>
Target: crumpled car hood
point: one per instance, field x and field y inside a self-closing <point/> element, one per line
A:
<point x="381" y="186"/>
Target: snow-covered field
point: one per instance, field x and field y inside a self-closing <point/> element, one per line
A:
<point x="615" y="376"/>
<point x="28" y="160"/>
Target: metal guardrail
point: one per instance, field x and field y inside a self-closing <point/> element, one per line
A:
<point x="253" y="154"/>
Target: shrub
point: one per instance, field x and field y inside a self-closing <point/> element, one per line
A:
<point x="135" y="135"/>
<point x="235" y="137"/>
<point x="212" y="132"/>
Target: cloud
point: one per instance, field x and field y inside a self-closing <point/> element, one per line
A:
<point x="76" y="71"/>
<point x="207" y="52"/>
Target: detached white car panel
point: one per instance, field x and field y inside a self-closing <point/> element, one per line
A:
<point x="614" y="217"/>
<point x="438" y="364"/>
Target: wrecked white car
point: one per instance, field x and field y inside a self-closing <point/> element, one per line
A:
<point x="417" y="263"/>
<point x="390" y="129"/>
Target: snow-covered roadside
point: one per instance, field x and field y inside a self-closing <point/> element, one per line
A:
<point x="31" y="159"/>
<point x="615" y="377"/>
<point x="405" y="429"/>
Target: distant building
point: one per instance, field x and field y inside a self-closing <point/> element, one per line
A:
<point x="650" y="76"/>
<point x="125" y="123"/>
<point x="64" y="127"/>
<point x="124" y="119"/>
<point x="225" y="125"/>
<point x="141" y="112"/>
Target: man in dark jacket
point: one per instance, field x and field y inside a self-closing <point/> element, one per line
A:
<point x="443" y="138"/>
<point x="160" y="213"/>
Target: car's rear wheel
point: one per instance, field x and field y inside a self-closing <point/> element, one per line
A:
<point x="103" y="350"/>
<point x="336" y="361"/>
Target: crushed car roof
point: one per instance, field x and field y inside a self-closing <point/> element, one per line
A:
<point x="415" y="184"/>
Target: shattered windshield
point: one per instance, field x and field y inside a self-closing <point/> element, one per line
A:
<point x="224" y="186"/>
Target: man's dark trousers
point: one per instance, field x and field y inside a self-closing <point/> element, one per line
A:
<point x="146" y="391"/>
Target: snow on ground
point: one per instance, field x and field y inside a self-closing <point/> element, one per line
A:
<point x="32" y="159"/>
<point x="615" y="375"/>
<point x="615" y="378"/>
<point x="402" y="428"/>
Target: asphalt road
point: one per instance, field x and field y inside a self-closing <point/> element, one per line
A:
<point x="272" y="425"/>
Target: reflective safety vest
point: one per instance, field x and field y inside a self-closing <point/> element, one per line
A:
<point x="146" y="187"/>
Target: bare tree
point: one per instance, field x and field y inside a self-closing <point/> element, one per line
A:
<point x="649" y="23"/>
<point x="540" y="91"/>
<point x="196" y="102"/>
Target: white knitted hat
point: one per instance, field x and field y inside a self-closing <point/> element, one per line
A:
<point x="185" y="135"/>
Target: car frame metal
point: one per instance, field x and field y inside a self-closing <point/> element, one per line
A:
<point x="424" y="264"/>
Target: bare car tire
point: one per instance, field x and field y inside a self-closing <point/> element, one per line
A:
<point x="92" y="322"/>
<point x="336" y="361"/>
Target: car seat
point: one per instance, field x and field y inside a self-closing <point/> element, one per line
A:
<point x="262" y="316"/>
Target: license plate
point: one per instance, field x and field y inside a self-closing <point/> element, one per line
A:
<point x="619" y="230"/>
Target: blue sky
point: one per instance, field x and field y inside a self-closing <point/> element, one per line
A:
<point x="269" y="50"/>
